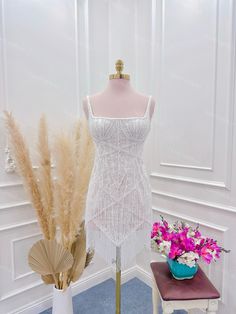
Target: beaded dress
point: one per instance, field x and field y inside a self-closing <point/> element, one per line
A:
<point x="118" y="206"/>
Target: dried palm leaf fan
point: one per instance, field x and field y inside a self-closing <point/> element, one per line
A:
<point x="49" y="280"/>
<point x="47" y="257"/>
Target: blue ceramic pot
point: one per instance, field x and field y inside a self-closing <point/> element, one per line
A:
<point x="181" y="271"/>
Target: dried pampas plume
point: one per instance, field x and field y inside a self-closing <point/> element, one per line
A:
<point x="25" y="169"/>
<point x="64" y="149"/>
<point x="74" y="156"/>
<point x="84" y="164"/>
<point x="45" y="175"/>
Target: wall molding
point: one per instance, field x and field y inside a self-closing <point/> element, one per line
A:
<point x="217" y="184"/>
<point x="13" y="241"/>
<point x="10" y="185"/>
<point x="10" y="164"/>
<point x="19" y="291"/>
<point x="195" y="201"/>
<point x="192" y="219"/>
<point x="168" y="164"/>
<point x="14" y="205"/>
<point x="18" y="225"/>
<point x="230" y="101"/>
<point x="214" y="83"/>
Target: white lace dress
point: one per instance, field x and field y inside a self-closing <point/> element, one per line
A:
<point x="118" y="205"/>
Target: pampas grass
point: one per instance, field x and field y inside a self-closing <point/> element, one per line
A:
<point x="45" y="176"/>
<point x="60" y="202"/>
<point x="25" y="169"/>
<point x="65" y="184"/>
<point x="74" y="155"/>
<point x="84" y="163"/>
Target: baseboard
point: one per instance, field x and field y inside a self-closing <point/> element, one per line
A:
<point x="126" y="275"/>
<point x="82" y="285"/>
<point x="144" y="275"/>
<point x="86" y="283"/>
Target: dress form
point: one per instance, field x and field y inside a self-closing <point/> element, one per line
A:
<point x="119" y="119"/>
<point x="119" y="99"/>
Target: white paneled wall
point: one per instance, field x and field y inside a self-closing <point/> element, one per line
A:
<point x="182" y="52"/>
<point x="193" y="147"/>
<point x="39" y="60"/>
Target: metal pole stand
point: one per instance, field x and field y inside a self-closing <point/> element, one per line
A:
<point x="118" y="279"/>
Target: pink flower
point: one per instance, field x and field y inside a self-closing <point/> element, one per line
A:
<point x="175" y="251"/>
<point x="197" y="234"/>
<point x="206" y="256"/>
<point x="155" y="229"/>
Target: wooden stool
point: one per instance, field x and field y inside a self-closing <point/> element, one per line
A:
<point x="196" y="293"/>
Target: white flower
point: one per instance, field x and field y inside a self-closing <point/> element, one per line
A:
<point x="213" y="253"/>
<point x="188" y="259"/>
<point x="197" y="241"/>
<point x="190" y="233"/>
<point x="164" y="247"/>
<point x="171" y="227"/>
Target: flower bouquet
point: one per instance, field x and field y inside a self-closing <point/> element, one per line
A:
<point x="183" y="246"/>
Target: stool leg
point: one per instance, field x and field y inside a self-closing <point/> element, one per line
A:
<point x="155" y="298"/>
<point x="168" y="307"/>
<point x="212" y="306"/>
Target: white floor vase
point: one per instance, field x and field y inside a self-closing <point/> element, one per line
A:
<point x="62" y="301"/>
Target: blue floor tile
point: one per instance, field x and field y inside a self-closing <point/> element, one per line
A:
<point x="136" y="298"/>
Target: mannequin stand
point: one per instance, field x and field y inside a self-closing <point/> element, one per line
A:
<point x="118" y="279"/>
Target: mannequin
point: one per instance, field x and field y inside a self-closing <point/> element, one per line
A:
<point x="119" y="99"/>
<point x="118" y="206"/>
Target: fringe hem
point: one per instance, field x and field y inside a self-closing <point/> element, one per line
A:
<point x="131" y="246"/>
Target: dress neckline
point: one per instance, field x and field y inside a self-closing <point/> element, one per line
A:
<point x="120" y="118"/>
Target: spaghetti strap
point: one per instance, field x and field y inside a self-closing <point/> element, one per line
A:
<point x="89" y="106"/>
<point x="148" y="106"/>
